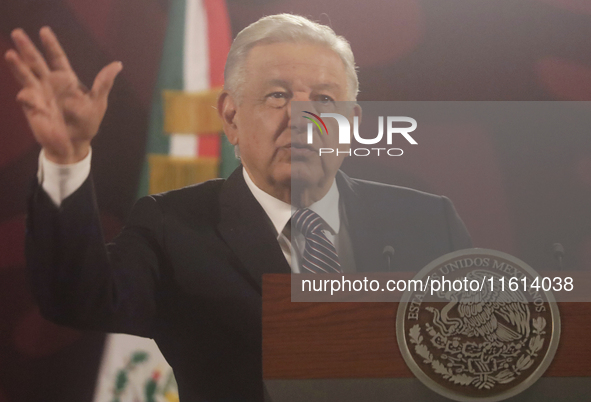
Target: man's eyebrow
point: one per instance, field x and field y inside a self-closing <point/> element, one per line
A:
<point x="284" y="83"/>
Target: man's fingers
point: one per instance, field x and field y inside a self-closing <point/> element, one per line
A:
<point x="29" y="53"/>
<point x="56" y="56"/>
<point x="104" y="80"/>
<point x="19" y="69"/>
<point x="29" y="98"/>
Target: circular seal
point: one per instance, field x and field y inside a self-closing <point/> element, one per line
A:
<point x="480" y="328"/>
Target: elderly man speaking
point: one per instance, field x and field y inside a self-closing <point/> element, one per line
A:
<point x="187" y="268"/>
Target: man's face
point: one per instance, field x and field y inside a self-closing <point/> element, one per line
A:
<point x="272" y="142"/>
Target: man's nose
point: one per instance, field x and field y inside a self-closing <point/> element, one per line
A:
<point x="299" y="101"/>
<point x="298" y="123"/>
<point x="298" y="104"/>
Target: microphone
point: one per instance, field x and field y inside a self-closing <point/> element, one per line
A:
<point x="558" y="253"/>
<point x="388" y="253"/>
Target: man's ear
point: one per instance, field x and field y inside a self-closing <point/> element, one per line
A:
<point x="357" y="111"/>
<point x="227" y="112"/>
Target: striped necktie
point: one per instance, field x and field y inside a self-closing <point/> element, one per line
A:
<point x="320" y="255"/>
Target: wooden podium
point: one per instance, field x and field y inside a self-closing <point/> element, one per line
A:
<point x="348" y="351"/>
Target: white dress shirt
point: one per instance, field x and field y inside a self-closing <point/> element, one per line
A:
<point x="280" y="213"/>
<point x="60" y="181"/>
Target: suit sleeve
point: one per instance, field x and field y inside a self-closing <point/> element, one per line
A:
<point x="80" y="281"/>
<point x="458" y="234"/>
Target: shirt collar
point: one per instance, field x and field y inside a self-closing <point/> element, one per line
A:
<point x="280" y="212"/>
<point x="328" y="208"/>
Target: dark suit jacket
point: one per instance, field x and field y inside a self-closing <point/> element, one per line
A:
<point x="186" y="269"/>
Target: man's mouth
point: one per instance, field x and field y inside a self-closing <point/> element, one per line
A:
<point x="302" y="148"/>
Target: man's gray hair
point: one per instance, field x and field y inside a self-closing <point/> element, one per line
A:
<point x="285" y="28"/>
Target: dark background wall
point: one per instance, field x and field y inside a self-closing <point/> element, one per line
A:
<point x="538" y="190"/>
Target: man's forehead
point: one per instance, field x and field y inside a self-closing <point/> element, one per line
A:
<point x="283" y="63"/>
<point x="320" y="85"/>
<point x="294" y="50"/>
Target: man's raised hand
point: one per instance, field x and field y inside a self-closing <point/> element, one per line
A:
<point x="63" y="114"/>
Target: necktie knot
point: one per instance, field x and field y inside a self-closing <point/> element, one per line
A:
<point x="307" y="221"/>
<point x="319" y="255"/>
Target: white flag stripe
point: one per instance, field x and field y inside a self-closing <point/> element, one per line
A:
<point x="117" y="352"/>
<point x="195" y="70"/>
<point x="196" y="56"/>
<point x="183" y="145"/>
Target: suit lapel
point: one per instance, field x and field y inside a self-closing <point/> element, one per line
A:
<point x="366" y="239"/>
<point x="248" y="231"/>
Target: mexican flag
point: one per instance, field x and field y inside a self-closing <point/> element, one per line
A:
<point x="184" y="147"/>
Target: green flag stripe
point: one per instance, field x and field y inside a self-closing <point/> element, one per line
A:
<point x="170" y="76"/>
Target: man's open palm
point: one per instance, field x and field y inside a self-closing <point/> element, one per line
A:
<point x="63" y="115"/>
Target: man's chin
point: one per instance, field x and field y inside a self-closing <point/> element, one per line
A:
<point x="303" y="172"/>
<point x="300" y="175"/>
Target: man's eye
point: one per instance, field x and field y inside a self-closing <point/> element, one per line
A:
<point x="277" y="99"/>
<point x="325" y="99"/>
